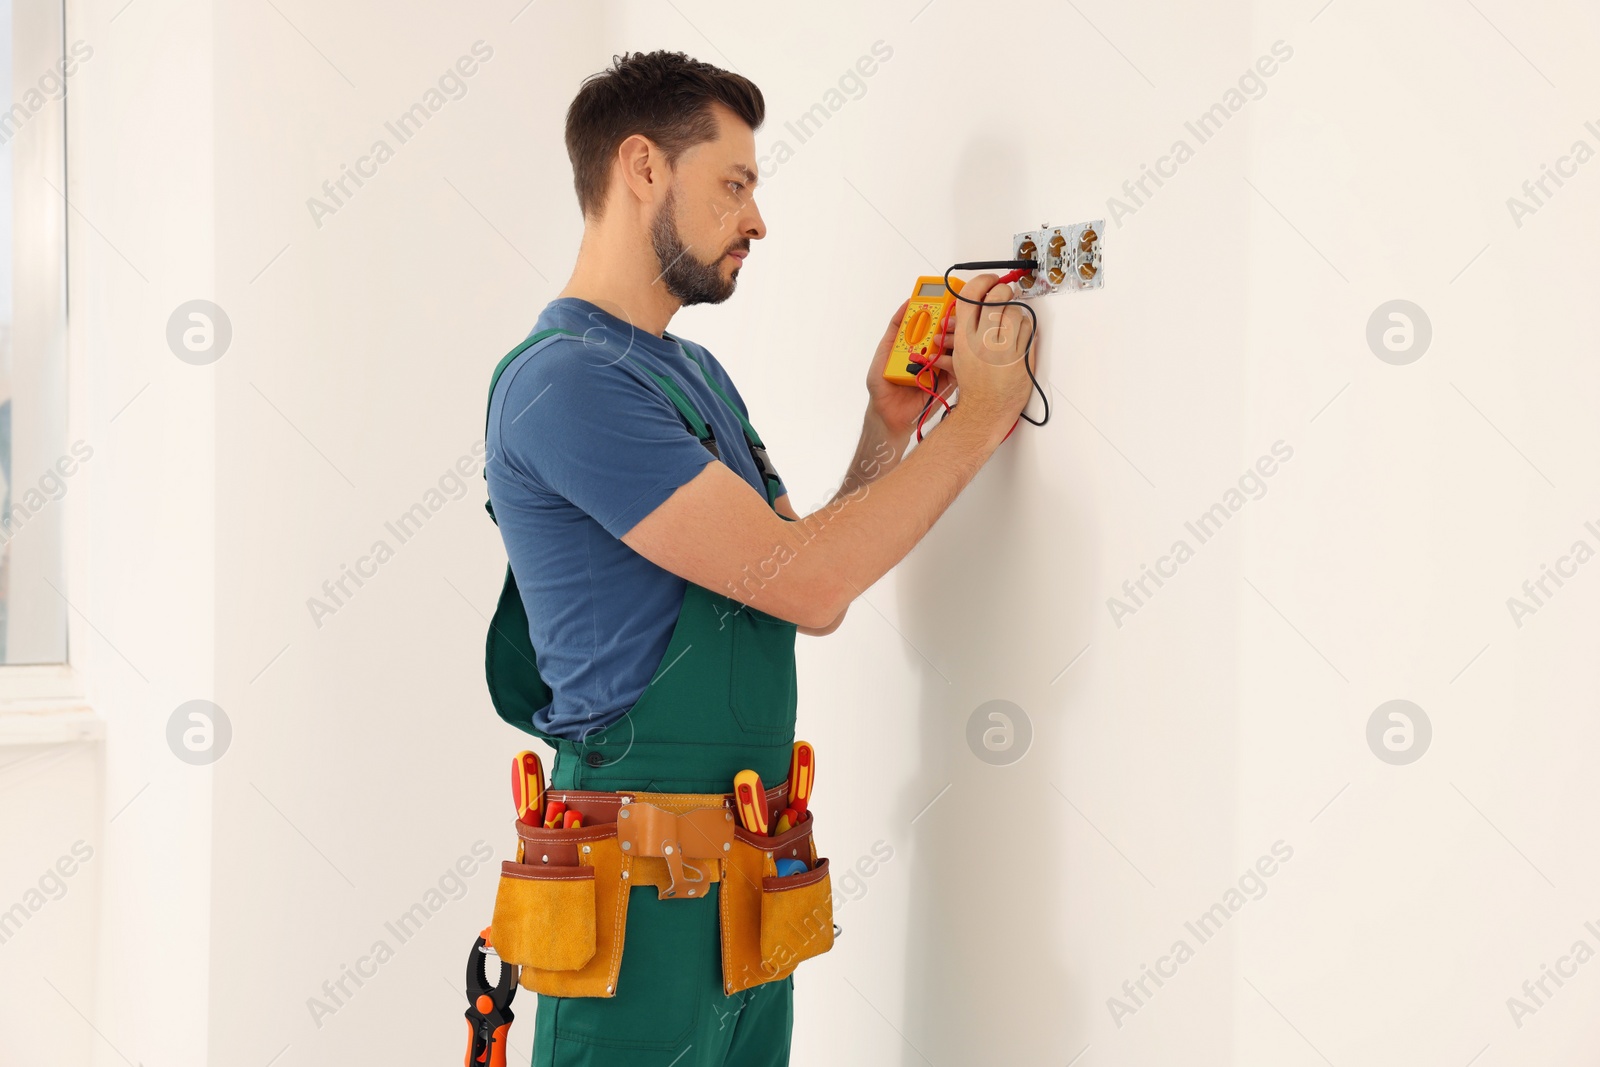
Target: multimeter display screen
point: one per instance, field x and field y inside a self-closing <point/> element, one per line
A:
<point x="931" y="289"/>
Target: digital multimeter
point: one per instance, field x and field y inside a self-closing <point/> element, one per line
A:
<point x="930" y="302"/>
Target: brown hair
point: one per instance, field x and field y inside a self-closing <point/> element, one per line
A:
<point x="664" y="96"/>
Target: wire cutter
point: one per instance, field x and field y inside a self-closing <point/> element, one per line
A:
<point x="488" y="1007"/>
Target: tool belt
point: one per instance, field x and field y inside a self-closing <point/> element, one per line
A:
<point x="561" y="909"/>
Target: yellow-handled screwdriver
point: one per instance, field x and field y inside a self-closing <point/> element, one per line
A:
<point x="750" y="801"/>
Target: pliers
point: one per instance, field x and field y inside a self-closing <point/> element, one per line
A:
<point x="488" y="1007"/>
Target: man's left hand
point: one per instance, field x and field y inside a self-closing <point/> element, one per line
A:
<point x="897" y="406"/>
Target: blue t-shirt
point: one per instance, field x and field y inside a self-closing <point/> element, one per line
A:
<point x="582" y="444"/>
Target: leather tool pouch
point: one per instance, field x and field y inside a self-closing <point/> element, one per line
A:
<point x="561" y="909"/>
<point x="770" y="924"/>
<point x="560" y="912"/>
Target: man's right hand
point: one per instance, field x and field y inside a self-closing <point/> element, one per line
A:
<point x="717" y="531"/>
<point x="989" y="347"/>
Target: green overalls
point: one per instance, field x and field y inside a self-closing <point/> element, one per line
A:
<point x="722" y="699"/>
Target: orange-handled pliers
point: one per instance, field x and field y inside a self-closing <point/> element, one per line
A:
<point x="488" y="1008"/>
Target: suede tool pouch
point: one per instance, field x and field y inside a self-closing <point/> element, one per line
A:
<point x="796" y="916"/>
<point x="544" y="916"/>
<point x="771" y="924"/>
<point x="563" y="922"/>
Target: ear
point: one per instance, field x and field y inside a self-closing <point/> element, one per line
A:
<point x="642" y="168"/>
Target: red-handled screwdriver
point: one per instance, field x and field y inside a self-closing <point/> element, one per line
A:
<point x="802" y="776"/>
<point x="527" y="787"/>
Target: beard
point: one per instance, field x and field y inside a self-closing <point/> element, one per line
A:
<point x="686" y="277"/>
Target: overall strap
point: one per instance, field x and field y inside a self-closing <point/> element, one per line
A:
<point x="510" y="357"/>
<point x="686" y="410"/>
<point x="749" y="430"/>
<point x="758" y="450"/>
<point x="702" y="430"/>
<point x="494" y="380"/>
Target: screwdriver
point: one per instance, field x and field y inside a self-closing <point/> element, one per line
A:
<point x="750" y="800"/>
<point x="527" y="786"/>
<point x="802" y="776"/>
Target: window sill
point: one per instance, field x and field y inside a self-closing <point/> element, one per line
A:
<point x="49" y="723"/>
<point x="42" y="705"/>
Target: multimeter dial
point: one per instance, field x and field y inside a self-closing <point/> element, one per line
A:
<point x="917" y="328"/>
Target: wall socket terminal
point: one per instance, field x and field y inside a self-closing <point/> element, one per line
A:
<point x="1069" y="258"/>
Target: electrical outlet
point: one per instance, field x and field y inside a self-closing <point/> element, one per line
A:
<point x="1069" y="258"/>
<point x="1026" y="246"/>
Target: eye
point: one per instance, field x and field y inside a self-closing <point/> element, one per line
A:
<point x="737" y="187"/>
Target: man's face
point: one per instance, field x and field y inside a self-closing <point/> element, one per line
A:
<point x="703" y="227"/>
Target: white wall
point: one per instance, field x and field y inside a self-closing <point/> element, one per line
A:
<point x="1417" y="503"/>
<point x="1227" y="714"/>
<point x="368" y="760"/>
<point x="116" y="970"/>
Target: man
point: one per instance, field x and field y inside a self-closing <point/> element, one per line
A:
<point x="663" y="570"/>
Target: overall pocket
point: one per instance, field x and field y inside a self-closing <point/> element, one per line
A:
<point x="562" y="914"/>
<point x="762" y="690"/>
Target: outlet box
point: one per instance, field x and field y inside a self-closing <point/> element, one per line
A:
<point x="1069" y="258"/>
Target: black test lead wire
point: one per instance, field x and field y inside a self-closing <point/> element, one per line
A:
<point x="1027" y="348"/>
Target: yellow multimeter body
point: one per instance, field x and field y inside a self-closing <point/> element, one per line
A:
<point x="930" y="301"/>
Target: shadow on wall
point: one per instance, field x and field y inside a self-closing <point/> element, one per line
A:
<point x="993" y="597"/>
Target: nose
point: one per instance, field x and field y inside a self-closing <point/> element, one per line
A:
<point x="751" y="224"/>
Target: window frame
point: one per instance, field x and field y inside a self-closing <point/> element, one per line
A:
<point x="42" y="702"/>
